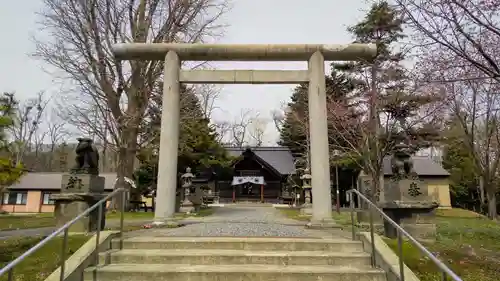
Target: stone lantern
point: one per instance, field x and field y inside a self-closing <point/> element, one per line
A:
<point x="187" y="186"/>
<point x="306" y="185"/>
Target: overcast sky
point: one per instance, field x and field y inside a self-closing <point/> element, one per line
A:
<point x="251" y="21"/>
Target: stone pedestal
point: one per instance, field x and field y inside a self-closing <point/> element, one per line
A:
<point x="78" y="193"/>
<point x="409" y="216"/>
<point x="306" y="208"/>
<point x="186" y="206"/>
<point x="196" y="198"/>
<point x="365" y="186"/>
<point x="410" y="206"/>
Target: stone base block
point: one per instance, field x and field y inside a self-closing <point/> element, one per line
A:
<point x="416" y="218"/>
<point x="66" y="211"/>
<point x="186" y="209"/>
<point x="306" y="211"/>
<point x="197" y="207"/>
<point x="323" y="224"/>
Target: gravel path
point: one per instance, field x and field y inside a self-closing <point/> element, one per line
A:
<point x="239" y="221"/>
<point x="231" y="220"/>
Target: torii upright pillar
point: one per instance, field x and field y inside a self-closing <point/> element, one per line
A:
<point x="169" y="140"/>
<point x="318" y="135"/>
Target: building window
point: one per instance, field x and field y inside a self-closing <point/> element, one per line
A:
<point x="46" y="198"/>
<point x="15" y="198"/>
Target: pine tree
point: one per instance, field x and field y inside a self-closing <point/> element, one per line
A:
<point x="294" y="130"/>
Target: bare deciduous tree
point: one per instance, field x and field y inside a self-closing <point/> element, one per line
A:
<point x="82" y="33"/>
<point x="207" y="95"/>
<point x="239" y="128"/>
<point x="223" y="129"/>
<point x="56" y="135"/>
<point x="278" y="117"/>
<point x="459" y="33"/>
<point x="456" y="43"/>
<point x="38" y="142"/>
<point x="475" y="109"/>
<point x="257" y="130"/>
<point x="91" y="117"/>
<point x="27" y="121"/>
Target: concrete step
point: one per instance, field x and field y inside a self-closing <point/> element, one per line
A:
<point x="182" y="272"/>
<point x="235" y="257"/>
<point x="242" y="243"/>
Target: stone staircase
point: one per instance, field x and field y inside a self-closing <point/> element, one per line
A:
<point x="234" y="259"/>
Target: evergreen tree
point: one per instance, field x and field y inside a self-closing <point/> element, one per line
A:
<point x="464" y="175"/>
<point x="10" y="172"/>
<point x="198" y="146"/>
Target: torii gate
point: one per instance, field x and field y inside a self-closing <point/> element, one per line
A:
<point x="315" y="54"/>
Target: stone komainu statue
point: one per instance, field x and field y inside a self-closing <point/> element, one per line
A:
<point x="401" y="162"/>
<point x="87" y="157"/>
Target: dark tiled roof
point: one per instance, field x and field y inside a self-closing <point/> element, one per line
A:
<point x="280" y="158"/>
<point x="52" y="181"/>
<point x="423" y="165"/>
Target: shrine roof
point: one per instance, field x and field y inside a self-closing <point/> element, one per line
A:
<point x="279" y="157"/>
<point x="423" y="165"/>
<point x="52" y="181"/>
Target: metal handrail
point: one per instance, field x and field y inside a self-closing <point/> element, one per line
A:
<point x="65" y="228"/>
<point x="446" y="271"/>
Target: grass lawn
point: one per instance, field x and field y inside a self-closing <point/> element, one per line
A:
<point x="43" y="262"/>
<point x="293" y="214"/>
<point x="466" y="242"/>
<point x="11" y="222"/>
<point x="40" y="264"/>
<point x="130" y="215"/>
